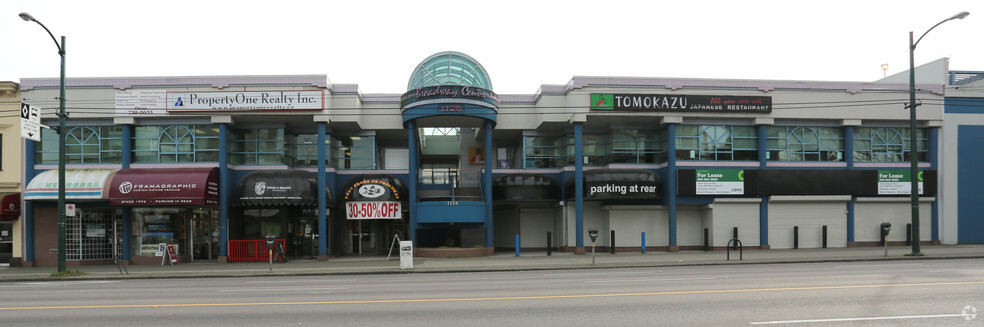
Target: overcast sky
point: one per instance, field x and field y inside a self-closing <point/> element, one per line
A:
<point x="522" y="44"/>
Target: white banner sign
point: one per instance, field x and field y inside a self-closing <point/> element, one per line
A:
<point x="30" y="122"/>
<point x="244" y="101"/>
<point x="373" y="210"/>
<point x="140" y="102"/>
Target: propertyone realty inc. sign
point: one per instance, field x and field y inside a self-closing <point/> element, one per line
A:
<point x="897" y="182"/>
<point x="720" y="181"/>
<point x="680" y="102"/>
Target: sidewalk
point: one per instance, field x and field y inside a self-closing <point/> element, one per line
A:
<point x="503" y="261"/>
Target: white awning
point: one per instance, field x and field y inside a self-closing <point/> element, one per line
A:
<point x="88" y="184"/>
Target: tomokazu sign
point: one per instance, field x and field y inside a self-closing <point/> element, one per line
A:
<point x="244" y="101"/>
<point x="680" y="103"/>
<point x="895" y="182"/>
<point x="720" y="181"/>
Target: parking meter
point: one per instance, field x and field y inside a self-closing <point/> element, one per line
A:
<point x="885" y="228"/>
<point x="593" y="233"/>
<point x="270" y="240"/>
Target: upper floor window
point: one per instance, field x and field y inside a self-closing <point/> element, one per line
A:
<point x="257" y="146"/>
<point x="176" y="143"/>
<point x="544" y="151"/>
<point x="301" y="150"/>
<point x="887" y="144"/>
<point x="716" y="142"/>
<point x="353" y="152"/>
<point x="83" y="145"/>
<point x="638" y="146"/>
<point x="812" y="144"/>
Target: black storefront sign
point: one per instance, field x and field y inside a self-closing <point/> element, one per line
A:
<point x="680" y="103"/>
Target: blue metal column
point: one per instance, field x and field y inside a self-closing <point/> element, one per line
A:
<point x="127" y="149"/>
<point x="578" y="186"/>
<point x="224" y="191"/>
<point x="322" y="192"/>
<point x="850" y="219"/>
<point x="30" y="149"/>
<point x="849" y="159"/>
<point x="764" y="205"/>
<point x="933" y="152"/>
<point x="412" y="183"/>
<point x="487" y="184"/>
<point x="669" y="188"/>
<point x="849" y="146"/>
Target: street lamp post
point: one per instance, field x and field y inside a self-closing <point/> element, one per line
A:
<point x="913" y="150"/>
<point x="62" y="117"/>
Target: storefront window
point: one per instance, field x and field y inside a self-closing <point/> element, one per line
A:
<point x="152" y="226"/>
<point x="814" y="144"/>
<point x="176" y="143"/>
<point x="353" y="152"/>
<point x="889" y="144"/>
<point x="83" y="145"/>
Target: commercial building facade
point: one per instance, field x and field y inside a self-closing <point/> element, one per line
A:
<point x="669" y="164"/>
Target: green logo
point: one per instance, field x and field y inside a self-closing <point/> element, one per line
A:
<point x="602" y="101"/>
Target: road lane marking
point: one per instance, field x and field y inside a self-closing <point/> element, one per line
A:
<point x="887" y="265"/>
<point x="956" y="270"/>
<point x="542" y="297"/>
<point x="282" y="289"/>
<point x="647" y="280"/>
<point x="602" y="273"/>
<point x="782" y="322"/>
<point x="303" y="281"/>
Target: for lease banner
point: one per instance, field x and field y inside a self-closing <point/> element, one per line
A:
<point x="720" y="182"/>
<point x="895" y="182"/>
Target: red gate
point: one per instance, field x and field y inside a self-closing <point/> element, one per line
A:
<point x="253" y="250"/>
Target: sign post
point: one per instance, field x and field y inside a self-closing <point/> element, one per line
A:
<point x="30" y="122"/>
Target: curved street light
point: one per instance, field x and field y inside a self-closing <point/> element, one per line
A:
<point x="62" y="117"/>
<point x="913" y="149"/>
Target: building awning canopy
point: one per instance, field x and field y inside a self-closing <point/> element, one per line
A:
<point x="273" y="188"/>
<point x="525" y="187"/>
<point x="11" y="207"/>
<point x="374" y="188"/>
<point x="80" y="184"/>
<point x="165" y="186"/>
<point x="618" y="183"/>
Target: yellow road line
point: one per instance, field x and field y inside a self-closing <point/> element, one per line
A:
<point x="492" y="298"/>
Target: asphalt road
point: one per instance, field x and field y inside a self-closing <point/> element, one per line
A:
<point x="903" y="293"/>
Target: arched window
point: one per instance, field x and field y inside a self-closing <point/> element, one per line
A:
<point x="801" y="143"/>
<point x="83" y="145"/>
<point x="177" y="144"/>
<point x="886" y="144"/>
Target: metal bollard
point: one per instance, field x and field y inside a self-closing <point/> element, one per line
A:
<point x="707" y="240"/>
<point x="549" y="243"/>
<point x="824" y="236"/>
<point x="734" y="232"/>
<point x="796" y="237"/>
<point x="612" y="248"/>
<point x="643" y="242"/>
<point x="517" y="245"/>
<point x="908" y="234"/>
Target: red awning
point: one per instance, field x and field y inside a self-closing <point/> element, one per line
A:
<point x="165" y="186"/>
<point x="11" y="207"/>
